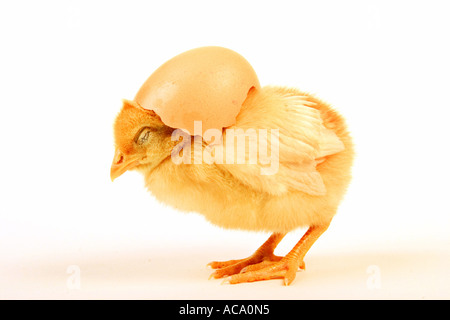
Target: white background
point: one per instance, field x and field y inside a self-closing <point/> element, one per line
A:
<point x="66" y="65"/>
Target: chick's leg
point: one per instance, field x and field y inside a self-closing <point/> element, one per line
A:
<point x="264" y="255"/>
<point x="287" y="267"/>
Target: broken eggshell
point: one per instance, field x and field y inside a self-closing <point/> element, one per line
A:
<point x="207" y="84"/>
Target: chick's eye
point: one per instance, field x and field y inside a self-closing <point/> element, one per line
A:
<point x="143" y="136"/>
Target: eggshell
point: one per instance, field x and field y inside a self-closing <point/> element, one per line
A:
<point x="207" y="84"/>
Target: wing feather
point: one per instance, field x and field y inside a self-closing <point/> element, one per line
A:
<point x="297" y="142"/>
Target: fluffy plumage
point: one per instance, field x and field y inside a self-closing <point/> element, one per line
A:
<point x="315" y="158"/>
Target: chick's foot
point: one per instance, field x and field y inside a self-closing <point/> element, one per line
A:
<point x="228" y="268"/>
<point x="263" y="265"/>
<point x="283" y="269"/>
<point x="263" y="256"/>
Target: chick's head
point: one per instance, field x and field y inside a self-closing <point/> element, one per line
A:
<point x="142" y="140"/>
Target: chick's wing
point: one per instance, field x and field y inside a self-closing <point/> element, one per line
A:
<point x="284" y="139"/>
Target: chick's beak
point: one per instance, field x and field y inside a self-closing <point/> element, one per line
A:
<point x="120" y="164"/>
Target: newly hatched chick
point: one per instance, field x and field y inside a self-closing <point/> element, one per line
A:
<point x="313" y="153"/>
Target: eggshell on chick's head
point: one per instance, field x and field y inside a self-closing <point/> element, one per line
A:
<point x="207" y="84"/>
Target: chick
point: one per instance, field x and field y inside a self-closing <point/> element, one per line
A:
<point x="314" y="155"/>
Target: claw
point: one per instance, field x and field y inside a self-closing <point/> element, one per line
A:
<point x="216" y="275"/>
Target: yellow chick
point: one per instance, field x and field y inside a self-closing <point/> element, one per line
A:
<point x="295" y="175"/>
